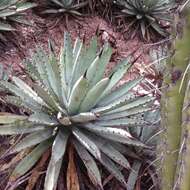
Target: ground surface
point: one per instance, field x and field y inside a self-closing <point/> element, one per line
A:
<point x="25" y="38"/>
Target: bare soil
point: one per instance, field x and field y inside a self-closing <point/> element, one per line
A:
<point x="26" y="38"/>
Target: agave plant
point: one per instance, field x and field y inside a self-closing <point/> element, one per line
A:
<point x="149" y="136"/>
<point x="12" y="11"/>
<point x="147" y="14"/>
<point x="73" y="104"/>
<point x="65" y="6"/>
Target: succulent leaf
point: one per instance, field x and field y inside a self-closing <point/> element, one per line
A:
<point x="19" y="92"/>
<point x="33" y="139"/>
<point x="42" y="118"/>
<point x="59" y="145"/>
<point x="52" y="174"/>
<point x="29" y="161"/>
<point x="93" y="95"/>
<point x="83" y="117"/>
<point x="119" y="92"/>
<point x="104" y="58"/>
<point x="121" y="122"/>
<point x="117" y="75"/>
<point x="39" y="61"/>
<point x="111" y="152"/>
<point x="7" y="118"/>
<point x="137" y="102"/>
<point x="86" y="60"/>
<point x="113" y="169"/>
<point x="76" y="61"/>
<point x="115" y="134"/>
<point x="19" y="127"/>
<point x="112" y="106"/>
<point x="91" y="72"/>
<point x="6" y="27"/>
<point x="124" y="114"/>
<point x="67" y="59"/>
<point x="87" y="142"/>
<point x="27" y="89"/>
<point x="90" y="164"/>
<point x="78" y="93"/>
<point x="47" y="97"/>
<point x="133" y="175"/>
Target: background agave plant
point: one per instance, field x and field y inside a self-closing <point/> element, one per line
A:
<point x="144" y="163"/>
<point x="147" y="14"/>
<point x="65" y="7"/>
<point x="12" y="11"/>
<point x="73" y="104"/>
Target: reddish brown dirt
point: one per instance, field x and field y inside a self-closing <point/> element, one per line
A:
<point x="26" y="39"/>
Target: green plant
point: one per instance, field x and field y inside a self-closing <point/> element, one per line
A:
<point x="65" y="7"/>
<point x="72" y="103"/>
<point x="147" y="15"/>
<point x="12" y="11"/>
<point x="149" y="136"/>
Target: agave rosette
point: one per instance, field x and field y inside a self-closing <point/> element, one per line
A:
<point x="65" y="6"/>
<point x="12" y="11"/>
<point x="73" y="103"/>
<point x="147" y="14"/>
<point x="149" y="136"/>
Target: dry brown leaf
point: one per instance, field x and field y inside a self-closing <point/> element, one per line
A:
<point x="36" y="172"/>
<point x="72" y="177"/>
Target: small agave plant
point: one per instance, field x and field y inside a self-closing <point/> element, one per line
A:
<point x="149" y="136"/>
<point x="65" y="6"/>
<point x="147" y="14"/>
<point x="73" y="104"/>
<point x="12" y="11"/>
